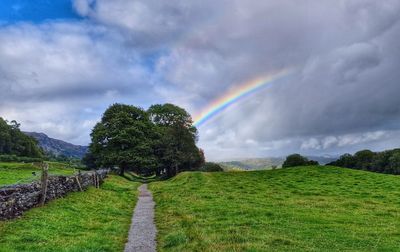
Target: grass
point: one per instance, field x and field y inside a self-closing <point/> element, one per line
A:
<point x="95" y="220"/>
<point x="13" y="173"/>
<point x="140" y="179"/>
<point x="298" y="209"/>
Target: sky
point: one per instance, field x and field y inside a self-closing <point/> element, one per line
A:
<point x="63" y="62"/>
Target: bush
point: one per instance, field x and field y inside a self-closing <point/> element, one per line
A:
<point x="297" y="160"/>
<point x="211" y="167"/>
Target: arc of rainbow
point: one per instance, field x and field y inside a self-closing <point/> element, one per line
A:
<point x="233" y="96"/>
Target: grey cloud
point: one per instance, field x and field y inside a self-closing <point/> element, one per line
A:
<point x="345" y="84"/>
<point x="372" y="17"/>
<point x="353" y="60"/>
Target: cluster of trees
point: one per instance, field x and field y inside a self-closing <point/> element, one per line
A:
<point x="14" y="143"/>
<point x="161" y="140"/>
<point x="297" y="160"/>
<point x="383" y="162"/>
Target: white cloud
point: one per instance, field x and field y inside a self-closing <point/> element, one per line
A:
<point x="329" y="141"/>
<point x="311" y="143"/>
<point x="50" y="73"/>
<point x="341" y="141"/>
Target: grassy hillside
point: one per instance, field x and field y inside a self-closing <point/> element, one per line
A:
<point x="11" y="173"/>
<point x="95" y="220"/>
<point x="298" y="209"/>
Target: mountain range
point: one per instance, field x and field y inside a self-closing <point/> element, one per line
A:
<point x="58" y="147"/>
<point x="267" y="163"/>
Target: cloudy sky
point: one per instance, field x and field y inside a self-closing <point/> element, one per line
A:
<point x="62" y="63"/>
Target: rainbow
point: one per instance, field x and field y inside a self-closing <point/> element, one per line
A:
<point x="233" y="96"/>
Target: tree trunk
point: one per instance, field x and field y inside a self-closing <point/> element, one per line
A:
<point x="170" y="172"/>
<point x="122" y="170"/>
<point x="176" y="169"/>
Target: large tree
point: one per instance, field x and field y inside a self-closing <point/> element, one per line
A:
<point x="124" y="138"/>
<point x="160" y="140"/>
<point x="176" y="139"/>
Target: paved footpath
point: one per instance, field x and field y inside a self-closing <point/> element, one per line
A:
<point x="142" y="235"/>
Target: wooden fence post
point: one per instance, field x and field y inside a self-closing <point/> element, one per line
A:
<point x="97" y="180"/>
<point x="79" y="183"/>
<point x="44" y="179"/>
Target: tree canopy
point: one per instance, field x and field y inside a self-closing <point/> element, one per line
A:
<point x="123" y="138"/>
<point x="15" y="142"/>
<point x="297" y="160"/>
<point x="176" y="143"/>
<point x="161" y="140"/>
<point x="384" y="162"/>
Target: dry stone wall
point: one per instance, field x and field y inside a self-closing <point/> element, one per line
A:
<point x="16" y="199"/>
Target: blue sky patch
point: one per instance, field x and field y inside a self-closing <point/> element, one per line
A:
<point x="36" y="10"/>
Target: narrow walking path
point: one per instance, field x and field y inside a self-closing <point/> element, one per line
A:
<point x="142" y="235"/>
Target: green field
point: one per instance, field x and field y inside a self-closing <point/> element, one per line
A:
<point x="12" y="173"/>
<point x="297" y="209"/>
<point x="95" y="220"/>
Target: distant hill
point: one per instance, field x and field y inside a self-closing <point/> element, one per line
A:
<point x="58" y="147"/>
<point x="267" y="163"/>
<point x="253" y="164"/>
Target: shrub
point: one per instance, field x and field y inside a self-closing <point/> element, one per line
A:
<point x="297" y="160"/>
<point x="211" y="167"/>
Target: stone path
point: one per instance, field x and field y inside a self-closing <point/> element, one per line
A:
<point x="142" y="235"/>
